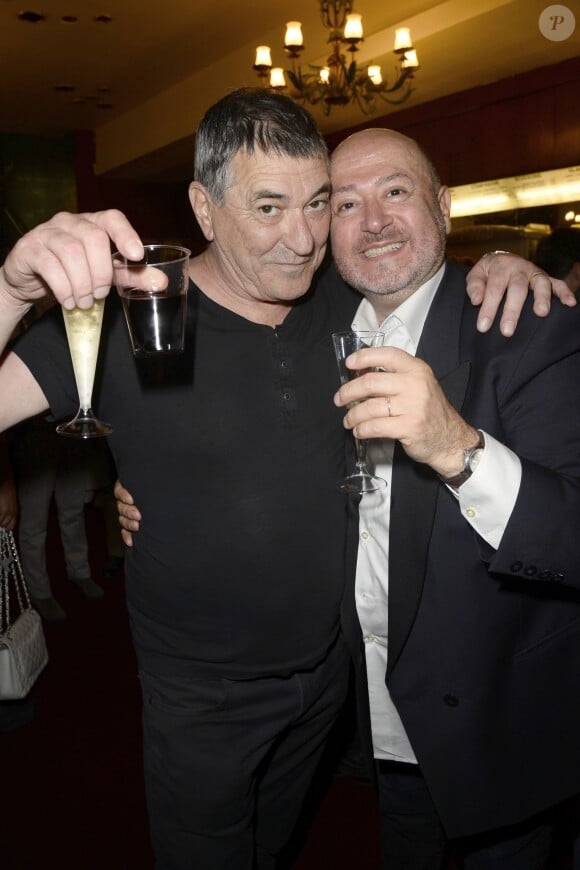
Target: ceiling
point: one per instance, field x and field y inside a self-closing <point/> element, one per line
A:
<point x="141" y="75"/>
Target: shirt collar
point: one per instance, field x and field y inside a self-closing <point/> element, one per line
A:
<point x="412" y="313"/>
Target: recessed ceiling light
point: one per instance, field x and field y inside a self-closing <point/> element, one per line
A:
<point x="69" y="19"/>
<point x="102" y="19"/>
<point x="31" y="17"/>
<point x="64" y="88"/>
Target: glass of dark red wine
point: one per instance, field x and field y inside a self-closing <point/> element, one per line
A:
<point x="361" y="480"/>
<point x="154" y="296"/>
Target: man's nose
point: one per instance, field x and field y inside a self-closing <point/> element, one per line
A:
<point x="299" y="236"/>
<point x="375" y="216"/>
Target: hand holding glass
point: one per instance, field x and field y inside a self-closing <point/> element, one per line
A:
<point x="154" y="296"/>
<point x="345" y="343"/>
<point x="83" y="331"/>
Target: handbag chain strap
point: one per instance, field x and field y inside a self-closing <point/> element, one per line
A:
<point x="10" y="569"/>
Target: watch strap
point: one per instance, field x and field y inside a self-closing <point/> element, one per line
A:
<point x="468" y="467"/>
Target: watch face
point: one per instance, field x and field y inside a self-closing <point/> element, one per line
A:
<point x="475" y="458"/>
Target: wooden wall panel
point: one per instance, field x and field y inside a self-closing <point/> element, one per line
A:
<point x="519" y="125"/>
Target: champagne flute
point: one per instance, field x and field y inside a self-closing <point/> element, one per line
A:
<point x="361" y="480"/>
<point x="83" y="331"/>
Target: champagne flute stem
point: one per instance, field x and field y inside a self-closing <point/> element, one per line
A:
<point x="361" y="453"/>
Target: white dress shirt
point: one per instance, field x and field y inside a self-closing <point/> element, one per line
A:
<point x="486" y="501"/>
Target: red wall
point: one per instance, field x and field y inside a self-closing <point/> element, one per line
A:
<point x="519" y="125"/>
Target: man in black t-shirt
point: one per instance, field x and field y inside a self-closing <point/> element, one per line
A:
<point x="232" y="452"/>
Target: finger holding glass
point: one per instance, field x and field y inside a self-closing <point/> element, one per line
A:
<point x="154" y="296"/>
<point x="361" y="480"/>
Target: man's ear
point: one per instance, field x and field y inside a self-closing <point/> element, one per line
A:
<point x="445" y="206"/>
<point x="202" y="205"/>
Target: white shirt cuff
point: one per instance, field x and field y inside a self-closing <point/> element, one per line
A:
<point x="487" y="498"/>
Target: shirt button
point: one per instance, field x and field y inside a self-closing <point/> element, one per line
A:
<point x="370" y="638"/>
<point x="286" y="396"/>
<point x="364" y="536"/>
<point x="470" y="512"/>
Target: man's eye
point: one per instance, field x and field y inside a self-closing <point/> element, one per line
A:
<point x="318" y="204"/>
<point x="268" y="210"/>
<point x="344" y="206"/>
<point x="397" y="191"/>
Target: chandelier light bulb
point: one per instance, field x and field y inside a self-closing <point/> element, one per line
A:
<point x="375" y="74"/>
<point x="293" y="36"/>
<point x="403" y="39"/>
<point x="410" y="60"/>
<point x="325" y="75"/>
<point x="353" y="27"/>
<point x="263" y="56"/>
<point x="277" y="79"/>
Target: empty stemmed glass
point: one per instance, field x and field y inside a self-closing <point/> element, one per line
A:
<point x="360" y="481"/>
<point x="83" y="331"/>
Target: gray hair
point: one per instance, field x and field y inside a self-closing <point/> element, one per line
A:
<point x="250" y="119"/>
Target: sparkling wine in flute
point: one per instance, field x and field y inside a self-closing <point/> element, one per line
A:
<point x="83" y="331"/>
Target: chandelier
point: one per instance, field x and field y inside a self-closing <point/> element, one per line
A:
<point x="342" y="80"/>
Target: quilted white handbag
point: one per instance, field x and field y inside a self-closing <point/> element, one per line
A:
<point x="23" y="652"/>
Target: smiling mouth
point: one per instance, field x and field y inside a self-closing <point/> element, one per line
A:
<point x="382" y="249"/>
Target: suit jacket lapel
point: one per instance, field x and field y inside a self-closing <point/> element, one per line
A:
<point x="415" y="487"/>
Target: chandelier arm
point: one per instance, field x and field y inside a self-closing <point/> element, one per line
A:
<point x="333" y="13"/>
<point x="396" y="101"/>
<point x="365" y="102"/>
<point x="403" y="76"/>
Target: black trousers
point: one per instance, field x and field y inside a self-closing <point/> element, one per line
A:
<point x="412" y="837"/>
<point x="228" y="763"/>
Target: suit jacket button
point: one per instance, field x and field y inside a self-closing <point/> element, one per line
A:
<point x="530" y="571"/>
<point x="558" y="577"/>
<point x="516" y="566"/>
<point x="451" y="700"/>
<point x="545" y="574"/>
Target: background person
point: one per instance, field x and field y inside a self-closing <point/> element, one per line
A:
<point x="13" y="714"/>
<point x="51" y="469"/>
<point x="559" y="255"/>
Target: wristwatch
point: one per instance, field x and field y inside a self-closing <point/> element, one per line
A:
<point x="471" y="459"/>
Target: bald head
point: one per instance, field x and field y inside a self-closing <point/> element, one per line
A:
<point x="390" y="216"/>
<point x="377" y="140"/>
